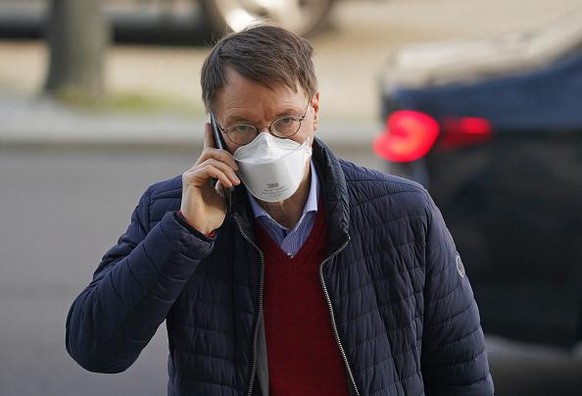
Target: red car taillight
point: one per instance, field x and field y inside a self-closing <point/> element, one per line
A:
<point x="410" y="135"/>
<point x="464" y="131"/>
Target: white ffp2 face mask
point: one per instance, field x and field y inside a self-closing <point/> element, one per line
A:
<point x="272" y="168"/>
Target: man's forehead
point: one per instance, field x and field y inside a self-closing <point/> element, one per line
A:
<point x="242" y="93"/>
<point x="233" y="78"/>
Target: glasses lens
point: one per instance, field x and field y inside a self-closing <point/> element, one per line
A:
<point x="242" y="133"/>
<point x="286" y="126"/>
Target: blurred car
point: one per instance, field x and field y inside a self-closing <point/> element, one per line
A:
<point x="493" y="128"/>
<point x="300" y="16"/>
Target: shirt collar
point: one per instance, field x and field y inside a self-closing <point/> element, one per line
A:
<point x="310" y="205"/>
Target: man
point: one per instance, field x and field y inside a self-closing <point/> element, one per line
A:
<point x="278" y="268"/>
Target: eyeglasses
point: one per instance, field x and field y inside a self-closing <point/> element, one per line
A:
<point x="284" y="127"/>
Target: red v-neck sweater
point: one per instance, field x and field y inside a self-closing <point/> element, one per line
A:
<point x="303" y="355"/>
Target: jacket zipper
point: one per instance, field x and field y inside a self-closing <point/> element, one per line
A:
<point x="256" y="330"/>
<point x="330" y="307"/>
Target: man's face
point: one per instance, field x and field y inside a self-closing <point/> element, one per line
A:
<point x="243" y="101"/>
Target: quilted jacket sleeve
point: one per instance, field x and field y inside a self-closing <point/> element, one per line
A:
<point x="132" y="290"/>
<point x="454" y="357"/>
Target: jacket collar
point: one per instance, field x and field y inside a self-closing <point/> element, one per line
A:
<point x="335" y="194"/>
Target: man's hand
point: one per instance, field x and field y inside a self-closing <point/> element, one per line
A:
<point x="203" y="205"/>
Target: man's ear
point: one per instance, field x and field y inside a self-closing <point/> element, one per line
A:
<point x="315" y="105"/>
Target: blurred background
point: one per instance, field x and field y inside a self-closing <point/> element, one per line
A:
<point x="81" y="141"/>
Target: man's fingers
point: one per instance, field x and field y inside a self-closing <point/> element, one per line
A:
<point x="212" y="168"/>
<point x="213" y="163"/>
<point x="222" y="167"/>
<point x="212" y="154"/>
<point x="226" y="178"/>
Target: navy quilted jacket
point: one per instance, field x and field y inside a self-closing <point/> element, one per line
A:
<point x="406" y="320"/>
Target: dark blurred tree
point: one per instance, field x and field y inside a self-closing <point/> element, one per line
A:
<point x="78" y="37"/>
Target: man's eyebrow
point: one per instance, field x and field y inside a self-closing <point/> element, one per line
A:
<point x="291" y="111"/>
<point x="238" y="119"/>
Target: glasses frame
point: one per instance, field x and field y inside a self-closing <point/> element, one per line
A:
<point x="269" y="128"/>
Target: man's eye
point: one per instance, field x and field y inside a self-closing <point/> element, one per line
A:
<point x="242" y="129"/>
<point x="285" y="122"/>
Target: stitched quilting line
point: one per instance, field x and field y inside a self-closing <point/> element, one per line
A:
<point x="385" y="361"/>
<point x="145" y="293"/>
<point x="390" y="386"/>
<point x="134" y="276"/>
<point x="385" y="183"/>
<point x="371" y="282"/>
<point x="402" y="380"/>
<point x="222" y="306"/>
<point x="396" y="357"/>
<point x="436" y="347"/>
<point x="389" y="249"/>
<point x="408" y="216"/>
<point x="376" y="307"/>
<point x="370" y="201"/>
<point x="437" y="300"/>
<point x="204" y="355"/>
<point x="453" y="317"/>
<point x="193" y="326"/>
<point x="472" y="358"/>
<point x="390" y="275"/>
<point x="384" y="333"/>
<point x="471" y="383"/>
<point x="374" y="311"/>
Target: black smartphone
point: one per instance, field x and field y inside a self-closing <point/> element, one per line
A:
<point x="219" y="142"/>
<point x="218" y="139"/>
